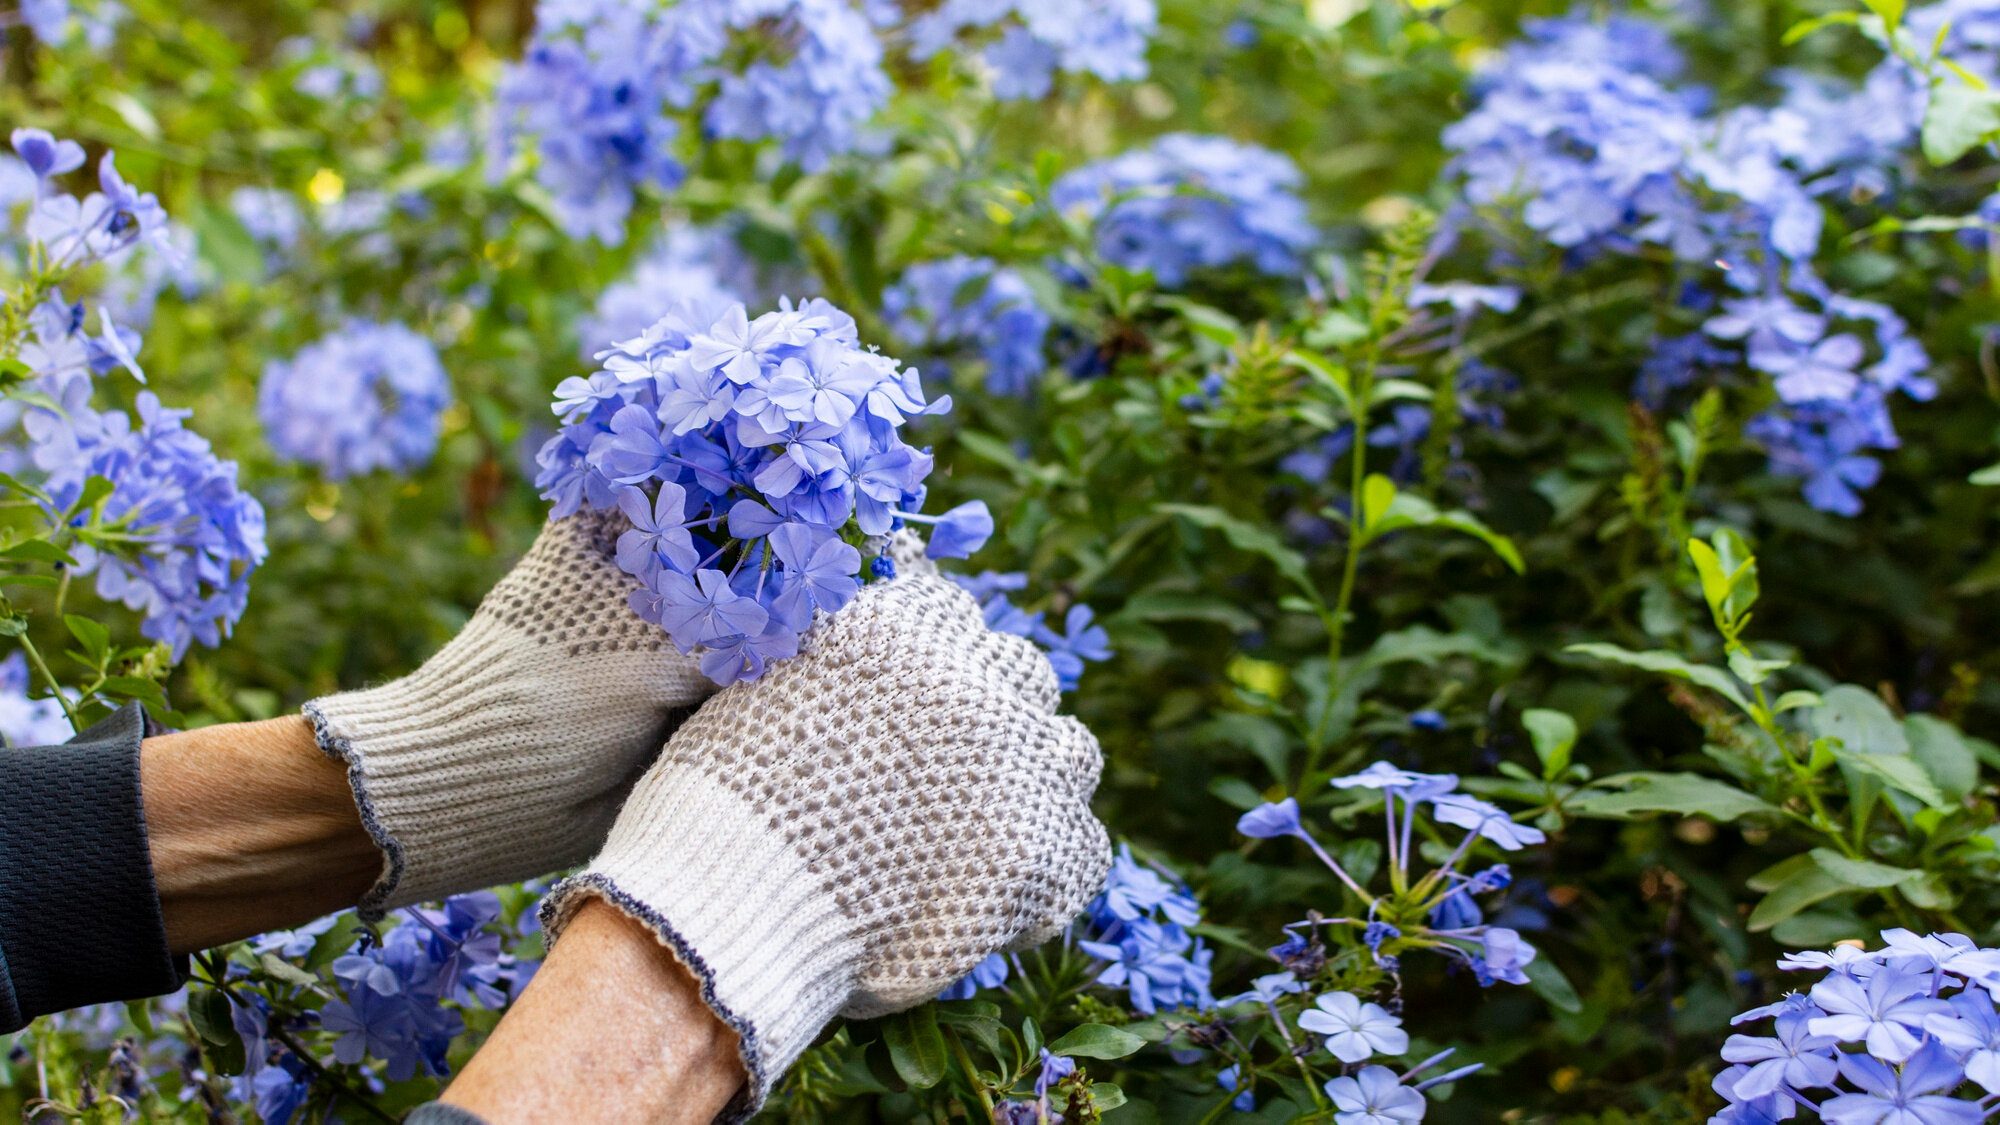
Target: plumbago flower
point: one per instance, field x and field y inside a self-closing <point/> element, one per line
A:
<point x="1906" y="1034"/>
<point x="750" y="457"/>
<point x="176" y="539"/>
<point x="1139" y="924"/>
<point x="397" y="1000"/>
<point x="1435" y="912"/>
<point x="368" y="396"/>
<point x="1079" y="641"/>
<point x="1585" y="131"/>
<point x="1036" y="38"/>
<point x="703" y="266"/>
<point x="958" y="301"/>
<point x="1189" y="201"/>
<point x="602" y="81"/>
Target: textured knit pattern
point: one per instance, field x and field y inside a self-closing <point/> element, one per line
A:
<point x="858" y="829"/>
<point x="79" y="915"/>
<point x="507" y="754"/>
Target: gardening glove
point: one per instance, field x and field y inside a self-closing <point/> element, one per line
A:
<point x="856" y="830"/>
<point x="508" y="753"/>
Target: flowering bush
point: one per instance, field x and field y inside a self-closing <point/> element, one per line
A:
<point x="1510" y="487"/>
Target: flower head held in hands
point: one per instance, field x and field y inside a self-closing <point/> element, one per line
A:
<point x="751" y="456"/>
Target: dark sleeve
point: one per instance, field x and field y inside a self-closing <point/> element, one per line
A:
<point x="432" y="1113"/>
<point x="79" y="915"/>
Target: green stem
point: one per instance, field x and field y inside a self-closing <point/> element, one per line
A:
<point x="958" y="1052"/>
<point x="1336" y="627"/>
<point x="62" y="592"/>
<point x="35" y="658"/>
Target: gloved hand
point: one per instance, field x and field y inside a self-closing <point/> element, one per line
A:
<point x="508" y="753"/>
<point x="853" y="832"/>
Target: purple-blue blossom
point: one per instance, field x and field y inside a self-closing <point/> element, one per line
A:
<point x="1037" y="38"/>
<point x="367" y="396"/>
<point x="973" y="303"/>
<point x="745" y="453"/>
<point x="1191" y="201"/>
<point x="603" y="89"/>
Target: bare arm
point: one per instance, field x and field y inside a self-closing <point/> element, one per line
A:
<point x="611" y="1029"/>
<point x="251" y="829"/>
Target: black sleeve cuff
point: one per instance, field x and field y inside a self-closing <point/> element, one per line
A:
<point x="79" y="914"/>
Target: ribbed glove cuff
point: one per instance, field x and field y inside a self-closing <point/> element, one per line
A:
<point x="717" y="882"/>
<point x="410" y="748"/>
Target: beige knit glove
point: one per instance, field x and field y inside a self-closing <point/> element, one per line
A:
<point x="856" y="830"/>
<point x="508" y="753"/>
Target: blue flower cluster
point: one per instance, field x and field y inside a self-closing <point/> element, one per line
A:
<point x="1921" y="1012"/>
<point x="1445" y="896"/>
<point x="1584" y="128"/>
<point x="973" y="301"/>
<point x="700" y="266"/>
<point x="54" y="21"/>
<point x="1079" y="641"/>
<point x="368" y="396"/>
<point x="601" y="81"/>
<point x="196" y="536"/>
<point x="269" y="215"/>
<point x="741" y="451"/>
<point x="1139" y="924"/>
<point x="1190" y="201"/>
<point x="25" y="721"/>
<point x="1036" y="38"/>
<point x="393" y="999"/>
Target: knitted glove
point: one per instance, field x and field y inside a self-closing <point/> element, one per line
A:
<point x="508" y="753"/>
<point x="858" y="829"/>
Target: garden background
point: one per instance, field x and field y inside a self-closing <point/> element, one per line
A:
<point x="1590" y="284"/>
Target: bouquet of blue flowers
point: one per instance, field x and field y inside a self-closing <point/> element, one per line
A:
<point x="754" y="459"/>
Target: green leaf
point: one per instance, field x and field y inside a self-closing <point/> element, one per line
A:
<point x="1806" y="885"/>
<point x="95" y="638"/>
<point x="1859" y="721"/>
<point x="1236" y="793"/>
<point x="140" y="1013"/>
<point x="1554" y="736"/>
<point x="1897" y="771"/>
<point x="1990" y="475"/>
<point x="1248" y="537"/>
<point x="1378" y="494"/>
<point x="1861" y="874"/>
<point x="1793" y="700"/>
<point x="1097" y="1041"/>
<point x="916" y="1046"/>
<point x="1387" y="510"/>
<point x="1106" y="1095"/>
<point x="1398" y="390"/>
<point x="37" y="550"/>
<point x="979" y="1019"/>
<point x="1336" y="329"/>
<point x="1670" y="664"/>
<point x="95" y="490"/>
<point x="1890" y="11"/>
<point x="1206" y="320"/>
<point x="1158" y="605"/>
<point x="1685" y="794"/>
<point x="1551" y="985"/>
<point x="14" y="484"/>
<point x="1959" y="117"/>
<point x="280" y="969"/>
<point x="208" y="1010"/>
<point x="1944" y="754"/>
<point x="1806" y="27"/>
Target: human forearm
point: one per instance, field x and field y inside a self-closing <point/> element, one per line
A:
<point x="251" y="828"/>
<point x="611" y="1029"/>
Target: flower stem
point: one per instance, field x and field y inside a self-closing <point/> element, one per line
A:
<point x="42" y="666"/>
